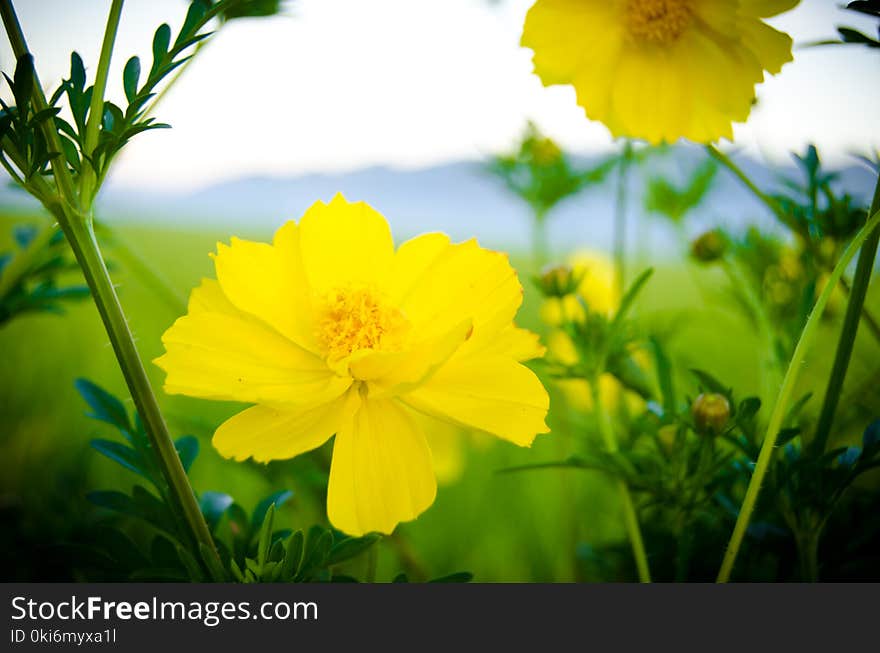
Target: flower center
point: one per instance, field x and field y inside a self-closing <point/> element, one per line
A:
<point x="660" y="22"/>
<point x="357" y="317"/>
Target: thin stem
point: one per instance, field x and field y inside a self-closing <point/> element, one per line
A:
<point x="728" y="163"/>
<point x="19" y="266"/>
<point x="846" y="342"/>
<point x="539" y="239"/>
<point x="620" y="207"/>
<point x="774" y="207"/>
<point x="630" y="517"/>
<point x="59" y="166"/>
<point x="179" y="73"/>
<point x="782" y="402"/>
<point x="96" y="106"/>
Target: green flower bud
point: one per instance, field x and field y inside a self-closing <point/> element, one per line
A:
<point x="560" y="281"/>
<point x="709" y="247"/>
<point x="711" y="412"/>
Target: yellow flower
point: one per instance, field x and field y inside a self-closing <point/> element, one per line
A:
<point x="329" y="330"/>
<point x="659" y="69"/>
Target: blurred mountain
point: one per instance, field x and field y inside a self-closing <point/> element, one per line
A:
<point x="461" y="199"/>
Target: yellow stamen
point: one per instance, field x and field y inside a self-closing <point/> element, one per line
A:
<point x="658" y="22"/>
<point x="356" y="317"/>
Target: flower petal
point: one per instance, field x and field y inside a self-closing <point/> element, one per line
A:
<point x="489" y="393"/>
<point x="344" y="243"/>
<point x="265" y="434"/>
<point x="381" y="472"/>
<point x="268" y="282"/>
<point x="233" y="356"/>
<point x="464" y="282"/>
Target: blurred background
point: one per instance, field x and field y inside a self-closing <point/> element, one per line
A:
<point x="402" y="104"/>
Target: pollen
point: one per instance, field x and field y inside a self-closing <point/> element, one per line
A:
<point x="356" y="317"/>
<point x="658" y="22"/>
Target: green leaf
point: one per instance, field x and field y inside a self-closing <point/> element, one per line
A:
<point x="77" y="72"/>
<point x="631" y="295"/>
<point x="24" y="83"/>
<point x="188" y="449"/>
<point x="194" y="15"/>
<point x="710" y="383"/>
<point x="664" y="376"/>
<point x="161" y="41"/>
<point x="113" y="500"/>
<point x="351" y="547"/>
<point x="276" y="498"/>
<point x="265" y="536"/>
<point x="122" y="454"/>
<point x="458" y="577"/>
<point x="105" y="407"/>
<point x="293" y="554"/>
<point x="213" y="505"/>
<point x="131" y="74"/>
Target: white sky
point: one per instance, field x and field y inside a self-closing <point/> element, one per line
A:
<point x="342" y="84"/>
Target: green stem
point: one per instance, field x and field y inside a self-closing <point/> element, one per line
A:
<point x="539" y="240"/>
<point x="808" y="555"/>
<point x="19" y="266"/>
<point x="620" y="206"/>
<point x="782" y="402"/>
<point x="85" y="248"/>
<point x="774" y="207"/>
<point x="846" y="342"/>
<point x="630" y="517"/>
<point x="96" y="105"/>
<point x="77" y="227"/>
<point x="728" y="163"/>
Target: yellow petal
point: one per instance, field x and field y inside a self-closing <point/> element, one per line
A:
<point x="464" y="282"/>
<point x="490" y="393"/>
<point x="391" y="373"/>
<point x="447" y="444"/>
<point x="519" y="344"/>
<point x="770" y="46"/>
<point x="344" y="243"/>
<point x="208" y="297"/>
<point x="381" y="472"/>
<point x="267" y="282"/>
<point x="265" y="434"/>
<point x="233" y="356"/>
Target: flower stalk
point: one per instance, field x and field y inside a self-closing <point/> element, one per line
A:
<point x="784" y="398"/>
<point x="845" y="344"/>
<point x="73" y="212"/>
<point x="620" y="207"/>
<point x="630" y="518"/>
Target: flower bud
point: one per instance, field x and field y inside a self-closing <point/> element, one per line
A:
<point x="711" y="411"/>
<point x="560" y="281"/>
<point x="667" y="435"/>
<point x="708" y="247"/>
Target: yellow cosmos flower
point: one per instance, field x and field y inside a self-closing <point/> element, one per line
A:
<point x="659" y="69"/>
<point x="598" y="288"/>
<point x="329" y="330"/>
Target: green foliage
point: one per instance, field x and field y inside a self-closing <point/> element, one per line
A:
<point x="38" y="284"/>
<point x="251" y="548"/>
<point x="673" y="202"/>
<point x="852" y="36"/>
<point x="542" y="174"/>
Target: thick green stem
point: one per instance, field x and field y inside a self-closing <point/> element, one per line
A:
<point x="782" y="402"/>
<point x="630" y="518"/>
<point x="808" y="555"/>
<point x="85" y="248"/>
<point x="88" y="178"/>
<point x="846" y="342"/>
<point x="620" y="206"/>
<point x="77" y="226"/>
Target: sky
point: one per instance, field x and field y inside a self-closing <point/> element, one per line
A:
<point x="337" y="85"/>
